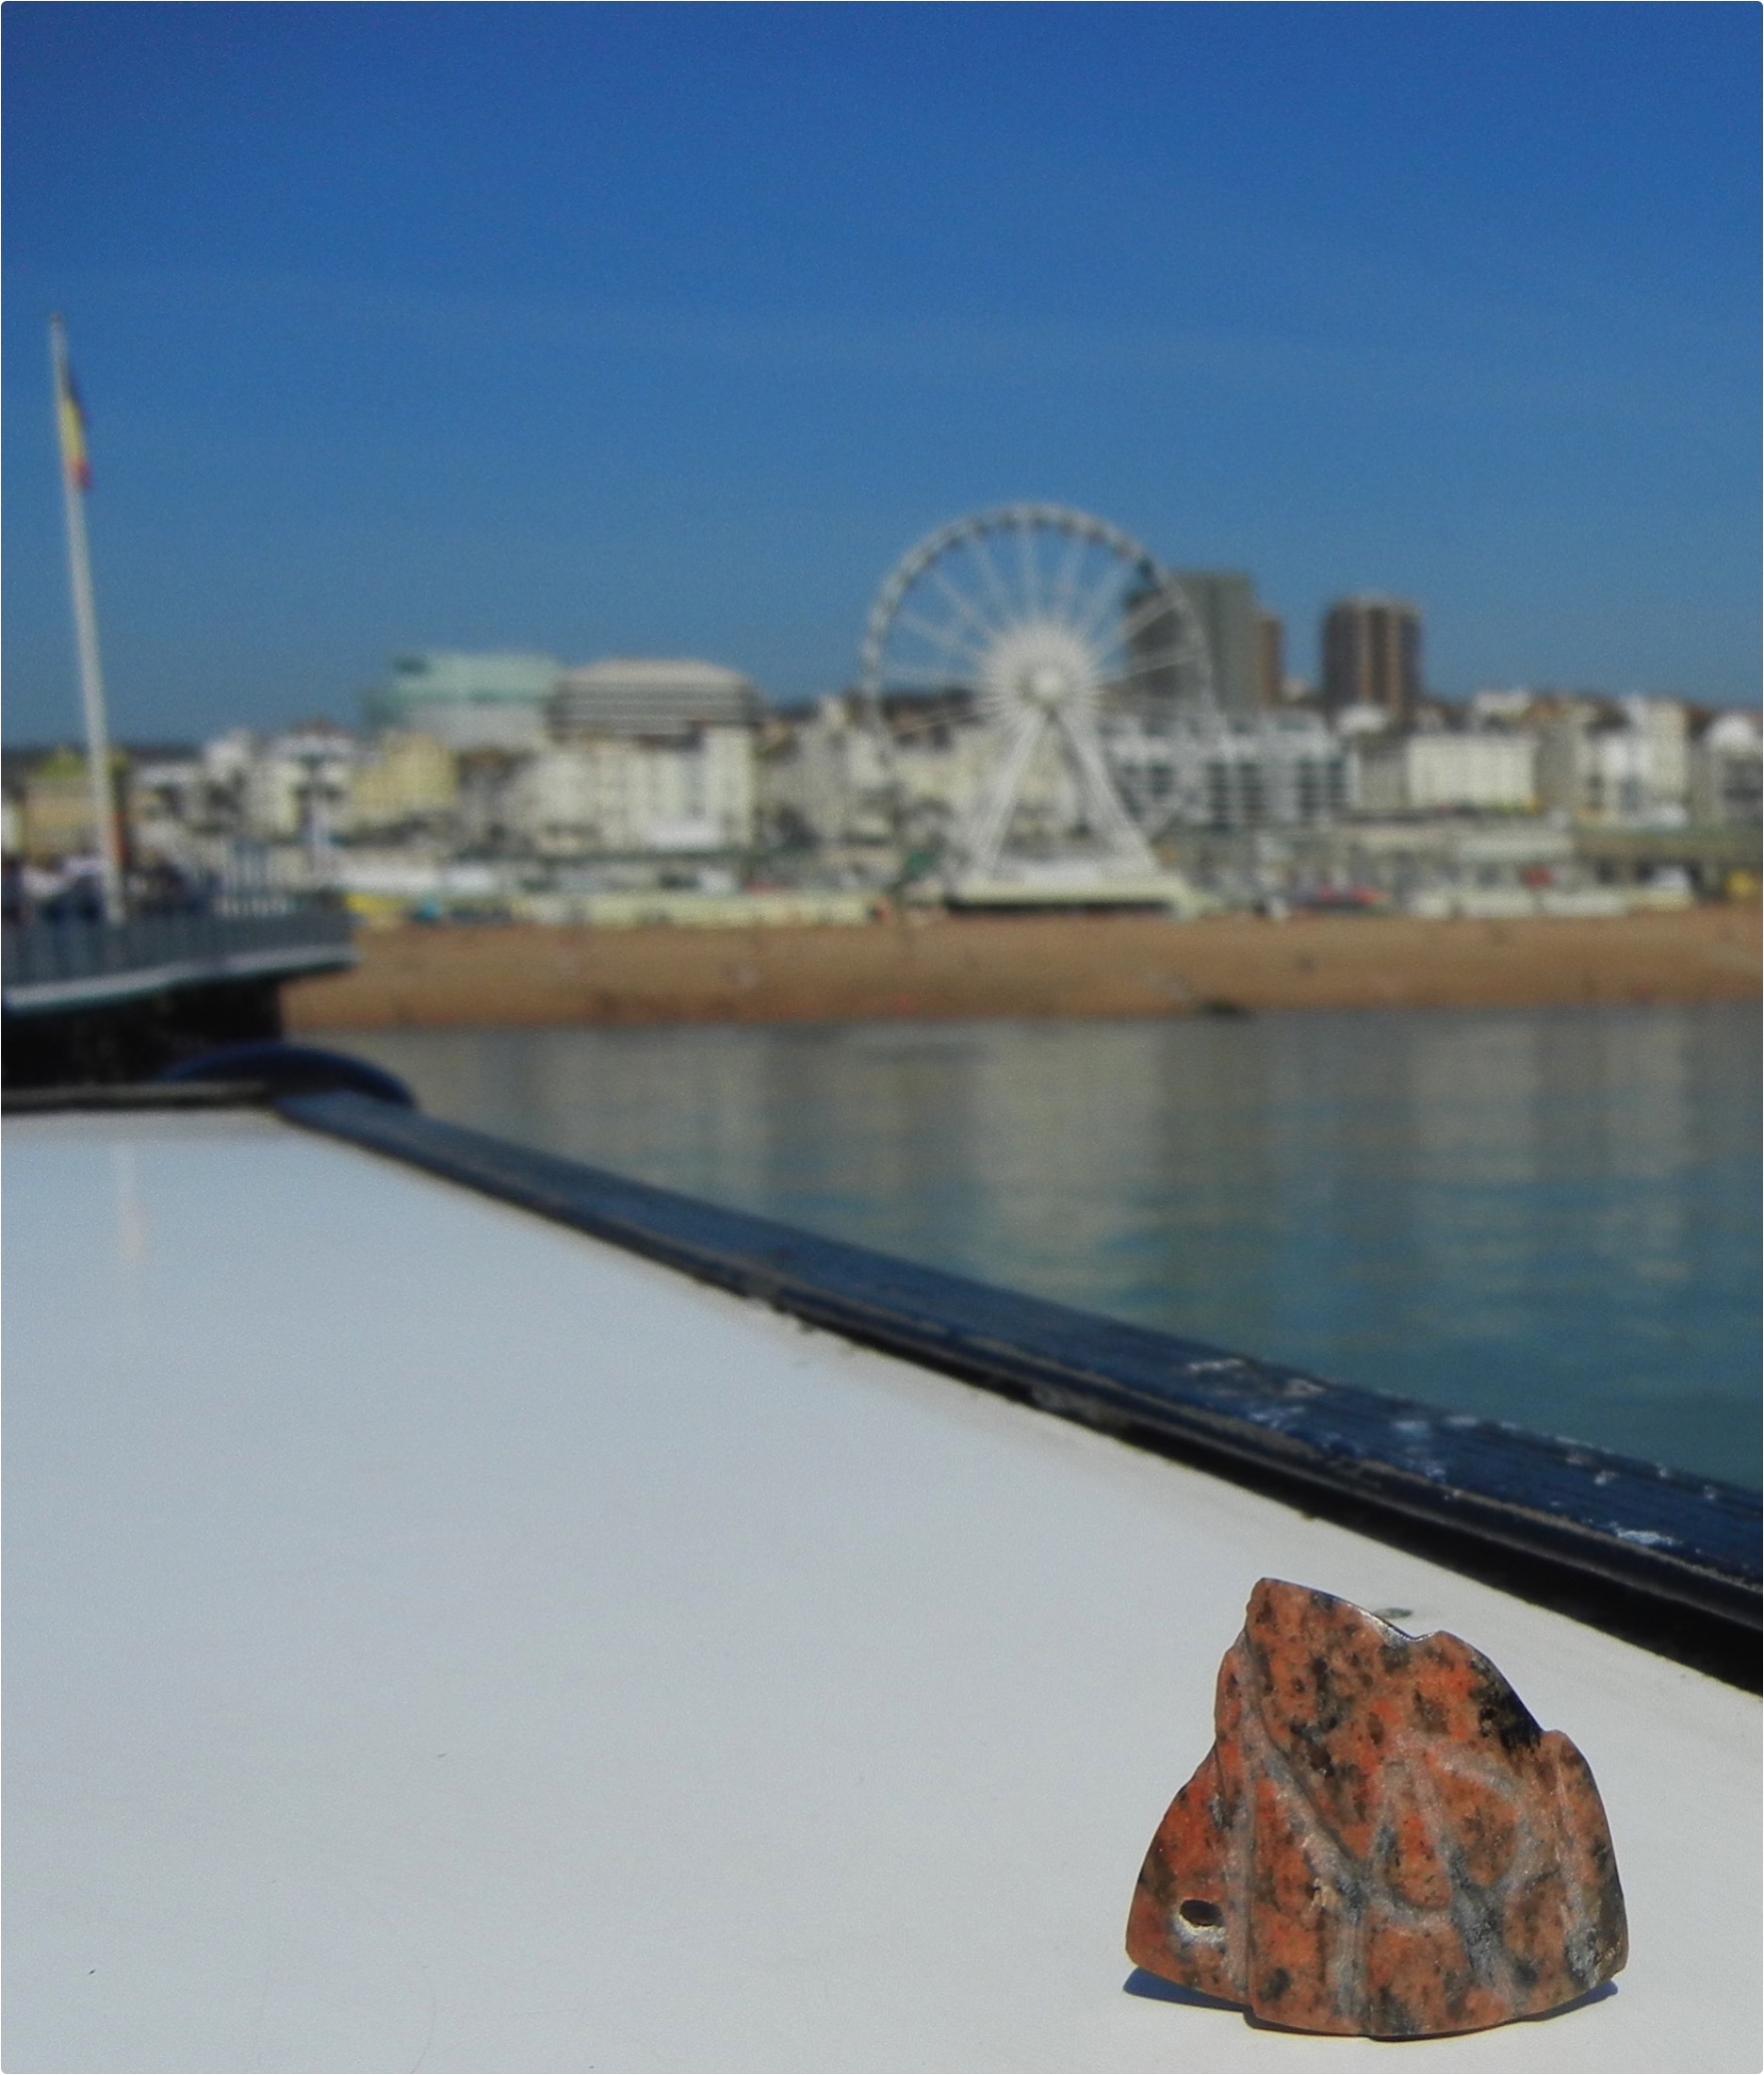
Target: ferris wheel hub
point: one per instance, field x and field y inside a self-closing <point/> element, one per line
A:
<point x="1041" y="664"/>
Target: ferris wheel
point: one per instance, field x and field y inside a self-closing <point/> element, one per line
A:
<point x="1047" y="618"/>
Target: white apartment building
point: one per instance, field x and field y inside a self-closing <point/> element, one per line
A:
<point x="1615" y="761"/>
<point x="1262" y="771"/>
<point x="828" y="777"/>
<point x="1484" y="771"/>
<point x="616" y="795"/>
<point x="167" y="803"/>
<point x="274" y="787"/>
<point x="1726" y="763"/>
<point x="941" y="769"/>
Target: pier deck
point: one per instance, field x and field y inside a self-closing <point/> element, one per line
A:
<point x="437" y="1637"/>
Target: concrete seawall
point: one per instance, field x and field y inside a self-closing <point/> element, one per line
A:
<point x="418" y="977"/>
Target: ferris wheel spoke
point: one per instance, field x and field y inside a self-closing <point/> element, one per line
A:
<point x="942" y="637"/>
<point x="1150" y="609"/>
<point x="995" y="584"/>
<point x="1025" y="532"/>
<point x="1149" y="665"/>
<point x="1065" y="585"/>
<point x="1110" y="819"/>
<point x="985" y="628"/>
<point x="1104" y="599"/>
<point x="984" y="838"/>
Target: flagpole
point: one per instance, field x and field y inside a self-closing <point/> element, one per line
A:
<point x="86" y="634"/>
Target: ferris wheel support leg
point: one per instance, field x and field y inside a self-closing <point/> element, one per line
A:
<point x="983" y="839"/>
<point x="1102" y="802"/>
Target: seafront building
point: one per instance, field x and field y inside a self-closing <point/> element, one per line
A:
<point x="1270" y="652"/>
<point x="1109" y="721"/>
<point x="1221" y="605"/>
<point x="467" y="701"/>
<point x="830" y="779"/>
<point x="271" y="788"/>
<point x="1614" y="760"/>
<point x="633" y="772"/>
<point x="612" y="795"/>
<point x="406" y="784"/>
<point x="649" y="697"/>
<point x="1436" y="769"/>
<point x="1372" y="657"/>
<point x="1225" y="602"/>
<point x="1230" y="770"/>
<point x="52" y="809"/>
<point x="1725" y="763"/>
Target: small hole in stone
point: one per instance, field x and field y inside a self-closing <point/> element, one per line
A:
<point x="1201" y="1916"/>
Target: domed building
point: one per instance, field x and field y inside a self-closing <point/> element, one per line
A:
<point x="652" y="695"/>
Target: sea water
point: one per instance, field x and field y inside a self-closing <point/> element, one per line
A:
<point x="1548" y="1216"/>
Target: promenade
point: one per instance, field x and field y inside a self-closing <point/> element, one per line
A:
<point x="418" y="977"/>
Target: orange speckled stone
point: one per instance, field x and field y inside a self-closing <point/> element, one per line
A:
<point x="1380" y="1841"/>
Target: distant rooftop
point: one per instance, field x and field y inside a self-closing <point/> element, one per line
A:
<point x="468" y="701"/>
<point x="652" y="695"/>
<point x="449" y="675"/>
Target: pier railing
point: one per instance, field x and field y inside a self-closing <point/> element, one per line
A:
<point x="52" y="966"/>
<point x="1666" y="1557"/>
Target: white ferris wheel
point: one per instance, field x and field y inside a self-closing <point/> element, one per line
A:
<point x="1048" y="619"/>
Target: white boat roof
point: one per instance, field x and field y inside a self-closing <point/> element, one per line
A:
<point x="440" y="1639"/>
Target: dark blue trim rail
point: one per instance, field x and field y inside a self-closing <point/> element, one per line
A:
<point x="1677" y="1542"/>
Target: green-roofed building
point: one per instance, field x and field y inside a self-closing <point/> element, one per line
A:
<point x="467" y="701"/>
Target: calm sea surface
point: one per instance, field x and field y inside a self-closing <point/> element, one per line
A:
<point x="1550" y="1215"/>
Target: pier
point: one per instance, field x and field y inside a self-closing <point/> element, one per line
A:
<point x="87" y="1000"/>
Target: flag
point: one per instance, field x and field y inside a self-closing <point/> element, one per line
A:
<point x="71" y="416"/>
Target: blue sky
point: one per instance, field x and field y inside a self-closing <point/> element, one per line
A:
<point x="602" y="329"/>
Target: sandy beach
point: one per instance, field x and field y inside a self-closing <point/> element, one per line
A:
<point x="416" y="977"/>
